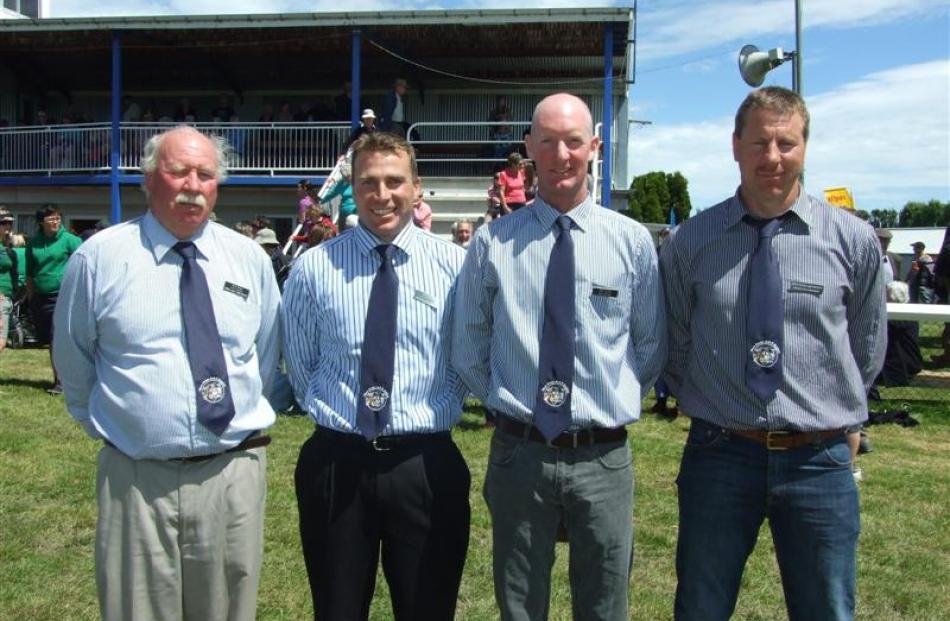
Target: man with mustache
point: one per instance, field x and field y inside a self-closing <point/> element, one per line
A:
<point x="559" y="329"/>
<point x="777" y="328"/>
<point x="167" y="338"/>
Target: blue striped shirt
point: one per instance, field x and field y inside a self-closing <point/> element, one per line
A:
<point x="835" y="317"/>
<point x="619" y="323"/>
<point x="325" y="305"/>
<point x="120" y="347"/>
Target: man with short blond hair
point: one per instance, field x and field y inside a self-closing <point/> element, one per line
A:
<point x="167" y="339"/>
<point x="559" y="331"/>
<point x="776" y="314"/>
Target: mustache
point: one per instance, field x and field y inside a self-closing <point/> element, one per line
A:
<point x="187" y="198"/>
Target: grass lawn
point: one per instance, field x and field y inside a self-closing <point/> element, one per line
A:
<point x="47" y="518"/>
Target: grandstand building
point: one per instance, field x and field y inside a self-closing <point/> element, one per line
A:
<point x="79" y="96"/>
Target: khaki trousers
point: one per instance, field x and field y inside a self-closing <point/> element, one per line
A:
<point x="180" y="540"/>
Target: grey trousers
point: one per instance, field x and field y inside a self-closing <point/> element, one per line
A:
<point x="530" y="489"/>
<point x="180" y="540"/>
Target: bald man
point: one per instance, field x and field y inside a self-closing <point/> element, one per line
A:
<point x="559" y="330"/>
<point x="167" y="340"/>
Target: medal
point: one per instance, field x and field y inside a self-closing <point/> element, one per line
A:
<point x="375" y="398"/>
<point x="212" y="389"/>
<point x="765" y="354"/>
<point x="555" y="393"/>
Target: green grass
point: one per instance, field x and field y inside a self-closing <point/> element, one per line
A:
<point x="47" y="518"/>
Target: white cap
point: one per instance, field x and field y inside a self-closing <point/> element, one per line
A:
<point x="368" y="113"/>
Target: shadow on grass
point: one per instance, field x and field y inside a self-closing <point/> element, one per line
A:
<point x="29" y="383"/>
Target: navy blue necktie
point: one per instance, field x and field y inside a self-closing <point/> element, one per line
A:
<point x="552" y="408"/>
<point x="205" y="351"/>
<point x="379" y="348"/>
<point x="765" y="314"/>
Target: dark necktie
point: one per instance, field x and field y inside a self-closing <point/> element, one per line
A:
<point x="552" y="409"/>
<point x="379" y="348"/>
<point x="205" y="351"/>
<point x="765" y="314"/>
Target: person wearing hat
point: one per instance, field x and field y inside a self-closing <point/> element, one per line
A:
<point x="920" y="277"/>
<point x="367" y="126"/>
<point x="9" y="274"/>
<point x="267" y="239"/>
<point x="892" y="262"/>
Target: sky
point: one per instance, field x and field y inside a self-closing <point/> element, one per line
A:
<point x="875" y="76"/>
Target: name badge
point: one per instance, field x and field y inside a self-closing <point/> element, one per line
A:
<point x="238" y="290"/>
<point x="605" y="293"/>
<point x="425" y="298"/>
<point x="797" y="286"/>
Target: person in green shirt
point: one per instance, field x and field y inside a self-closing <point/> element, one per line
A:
<point x="47" y="253"/>
<point x="9" y="274"/>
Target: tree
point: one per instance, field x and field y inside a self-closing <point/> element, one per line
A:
<point x="884" y="218"/>
<point x="655" y="194"/>
<point x="932" y="213"/>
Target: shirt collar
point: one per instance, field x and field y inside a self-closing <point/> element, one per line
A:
<point x="162" y="241"/>
<point x="802" y="208"/>
<point x="405" y="240"/>
<point x="579" y="215"/>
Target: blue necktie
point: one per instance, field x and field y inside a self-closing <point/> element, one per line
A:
<point x="379" y="348"/>
<point x="765" y="314"/>
<point x="205" y="350"/>
<point x="552" y="408"/>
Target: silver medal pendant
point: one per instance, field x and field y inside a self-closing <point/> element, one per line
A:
<point x="376" y="398"/>
<point x="765" y="354"/>
<point x="213" y="389"/>
<point x="555" y="393"/>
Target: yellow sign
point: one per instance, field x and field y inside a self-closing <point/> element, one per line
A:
<point x="840" y="197"/>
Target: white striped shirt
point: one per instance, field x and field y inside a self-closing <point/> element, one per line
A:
<point x="619" y="324"/>
<point x="120" y="346"/>
<point x="325" y="306"/>
<point x="835" y="317"/>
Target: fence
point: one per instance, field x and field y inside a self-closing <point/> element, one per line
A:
<point x="931" y="385"/>
<point x="268" y="148"/>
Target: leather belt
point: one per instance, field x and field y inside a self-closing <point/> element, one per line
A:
<point x="784" y="440"/>
<point x="255" y="440"/>
<point x="568" y="439"/>
<point x="383" y="443"/>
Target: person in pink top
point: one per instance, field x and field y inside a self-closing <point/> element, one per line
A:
<point x="422" y="214"/>
<point x="511" y="185"/>
<point x="305" y="202"/>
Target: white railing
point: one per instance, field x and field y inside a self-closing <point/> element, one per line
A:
<point x="269" y="148"/>
<point x="466" y="141"/>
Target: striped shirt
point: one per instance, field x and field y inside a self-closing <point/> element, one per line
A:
<point x="120" y="347"/>
<point x="835" y="317"/>
<point x="619" y="324"/>
<point x="325" y="305"/>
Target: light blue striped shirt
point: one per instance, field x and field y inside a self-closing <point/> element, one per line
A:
<point x="619" y="325"/>
<point x="120" y="347"/>
<point x="835" y="317"/>
<point x="325" y="305"/>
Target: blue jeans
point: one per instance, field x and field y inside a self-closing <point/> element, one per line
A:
<point x="727" y="486"/>
<point x="530" y="489"/>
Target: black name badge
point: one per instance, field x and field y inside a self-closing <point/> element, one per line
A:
<point x="238" y="290"/>
<point x="796" y="286"/>
<point x="605" y="293"/>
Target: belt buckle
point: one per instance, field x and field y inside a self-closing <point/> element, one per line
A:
<point x="379" y="447"/>
<point x="768" y="440"/>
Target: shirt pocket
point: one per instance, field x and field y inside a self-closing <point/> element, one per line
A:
<point x="607" y="302"/>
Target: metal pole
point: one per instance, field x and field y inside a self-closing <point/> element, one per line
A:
<point x="115" y="159"/>
<point x="608" y="113"/>
<point x="355" y="81"/>
<point x="797" y="75"/>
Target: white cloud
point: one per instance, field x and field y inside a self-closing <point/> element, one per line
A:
<point x="690" y="27"/>
<point x="885" y="136"/>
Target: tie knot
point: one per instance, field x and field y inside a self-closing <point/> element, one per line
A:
<point x="564" y="222"/>
<point x="765" y="228"/>
<point x="386" y="252"/>
<point x="186" y="250"/>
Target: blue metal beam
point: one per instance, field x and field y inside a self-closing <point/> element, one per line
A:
<point x="114" y="159"/>
<point x="608" y="113"/>
<point x="355" y="96"/>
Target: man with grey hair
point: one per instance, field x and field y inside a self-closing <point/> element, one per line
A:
<point x="167" y="339"/>
<point x="776" y="315"/>
<point x="462" y="232"/>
